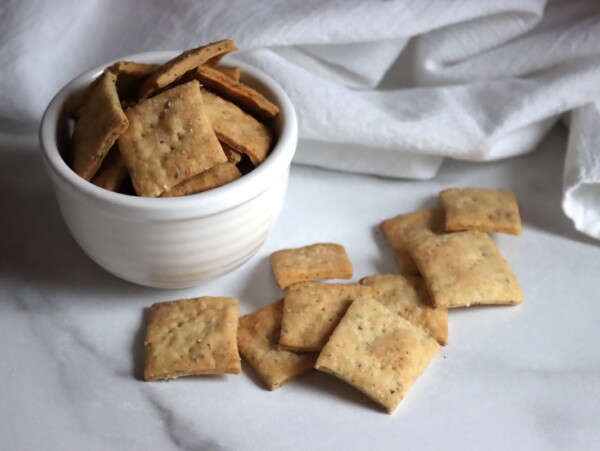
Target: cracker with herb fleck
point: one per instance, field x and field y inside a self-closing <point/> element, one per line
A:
<point x="482" y="209"/>
<point x="238" y="129"/>
<point x="407" y="296"/>
<point x="214" y="177"/>
<point x="465" y="268"/>
<point x="248" y="99"/>
<point x="100" y="123"/>
<point x="113" y="171"/>
<point x="312" y="311"/>
<point x="319" y="261"/>
<point x="378" y="352"/>
<point x="169" y="140"/>
<point x="192" y="337"/>
<point x="258" y="337"/>
<point x="401" y="229"/>
<point x="188" y="60"/>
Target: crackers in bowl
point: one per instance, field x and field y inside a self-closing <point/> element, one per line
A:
<point x="170" y="128"/>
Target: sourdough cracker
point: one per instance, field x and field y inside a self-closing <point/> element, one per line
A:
<point x="258" y="337"/>
<point x="214" y="177"/>
<point x="192" y="337"/>
<point x="236" y="128"/>
<point x="100" y="123"/>
<point x="408" y="297"/>
<point x="401" y="229"/>
<point x="233" y="72"/>
<point x="465" y="268"/>
<point x="482" y="209"/>
<point x="312" y="311"/>
<point x="169" y="140"/>
<point x="378" y="352"/>
<point x="113" y="171"/>
<point x="130" y="76"/>
<point x="319" y="261"/>
<point x="248" y="99"/>
<point x="188" y="60"/>
<point x="233" y="156"/>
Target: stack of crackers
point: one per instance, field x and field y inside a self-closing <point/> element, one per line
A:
<point x="183" y="127"/>
<point x="378" y="335"/>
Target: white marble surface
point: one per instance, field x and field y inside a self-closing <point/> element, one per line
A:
<point x="519" y="378"/>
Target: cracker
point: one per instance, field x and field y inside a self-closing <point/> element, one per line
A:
<point x="485" y="210"/>
<point x="130" y="76"/>
<point x="401" y="229"/>
<point x="311" y="312"/>
<point x="212" y="178"/>
<point x="169" y="140"/>
<point x="113" y="171"/>
<point x="258" y="337"/>
<point x="233" y="156"/>
<point x="242" y="95"/>
<point x="101" y="122"/>
<point x="378" y="352"/>
<point x="407" y="296"/>
<point x="316" y="262"/>
<point x="236" y="128"/>
<point x="465" y="268"/>
<point x="188" y="60"/>
<point x="234" y="72"/>
<point x="192" y="337"/>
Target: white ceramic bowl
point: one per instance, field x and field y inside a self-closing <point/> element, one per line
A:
<point x="172" y="242"/>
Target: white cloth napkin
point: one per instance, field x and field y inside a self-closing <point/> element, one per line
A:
<point x="388" y="87"/>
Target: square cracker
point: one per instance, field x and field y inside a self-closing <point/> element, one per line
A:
<point x="169" y="140"/>
<point x="319" y="261"/>
<point x="378" y="352"/>
<point x="401" y="229"/>
<point x="233" y="72"/>
<point x="214" y="177"/>
<point x="465" y="268"/>
<point x="100" y="123"/>
<point x="242" y="95"/>
<point x="237" y="129"/>
<point x="191" y="337"/>
<point x="113" y="172"/>
<point x="485" y="210"/>
<point x="258" y="337"/>
<point x="312" y="310"/>
<point x="188" y="60"/>
<point x="408" y="297"/>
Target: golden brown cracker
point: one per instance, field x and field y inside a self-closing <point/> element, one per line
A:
<point x="482" y="209"/>
<point x="188" y="60"/>
<point x="311" y="312"/>
<point x="169" y="140"/>
<point x="378" y="352"/>
<point x="248" y="99"/>
<point x="319" y="261"/>
<point x="192" y="337"/>
<point x="258" y="337"/>
<point x="130" y="76"/>
<point x="113" y="171"/>
<point x="465" y="268"/>
<point x="401" y="229"/>
<point x="233" y="72"/>
<point x="408" y="297"/>
<point x="233" y="156"/>
<point x="211" y="178"/>
<point x="236" y="128"/>
<point x="100" y="123"/>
